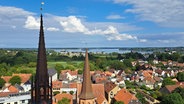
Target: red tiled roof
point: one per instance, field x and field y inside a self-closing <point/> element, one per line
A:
<point x="147" y="73"/>
<point x="64" y="95"/>
<point x="24" y="77"/>
<point x="56" y="84"/>
<point x="98" y="80"/>
<point x="108" y="73"/>
<point x="125" y="96"/>
<point x="109" y="86"/>
<point x="149" y="79"/>
<point x="98" y="91"/>
<point x="6" y="78"/>
<point x="13" y="89"/>
<point x="170" y="88"/>
<point x="70" y="72"/>
<point x="73" y="85"/>
<point x="5" y="94"/>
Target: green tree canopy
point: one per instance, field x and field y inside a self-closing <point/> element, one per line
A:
<point x="119" y="102"/>
<point x="127" y="63"/>
<point x="167" y="81"/>
<point x="180" y="91"/>
<point x="64" y="101"/>
<point x="141" y="98"/>
<point x="2" y="82"/>
<point x="173" y="98"/>
<point x="180" y="76"/>
<point x="118" y="65"/>
<point x="15" y="80"/>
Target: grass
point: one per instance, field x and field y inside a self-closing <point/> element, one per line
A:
<point x="53" y="64"/>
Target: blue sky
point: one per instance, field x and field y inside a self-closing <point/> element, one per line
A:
<point x="92" y="23"/>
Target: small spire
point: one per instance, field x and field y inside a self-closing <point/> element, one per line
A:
<point x="86" y="91"/>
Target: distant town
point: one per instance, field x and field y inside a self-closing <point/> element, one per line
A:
<point x="118" y="75"/>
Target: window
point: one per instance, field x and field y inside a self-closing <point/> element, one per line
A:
<point x="111" y="94"/>
<point x="23" y="101"/>
<point x="15" y="103"/>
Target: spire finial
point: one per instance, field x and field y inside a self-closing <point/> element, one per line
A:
<point x="41" y="6"/>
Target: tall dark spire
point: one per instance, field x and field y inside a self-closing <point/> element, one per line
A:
<point x="86" y="91"/>
<point x="41" y="89"/>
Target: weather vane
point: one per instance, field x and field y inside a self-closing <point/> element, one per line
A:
<point x="41" y="8"/>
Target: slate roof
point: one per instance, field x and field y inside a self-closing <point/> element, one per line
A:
<point x="51" y="72"/>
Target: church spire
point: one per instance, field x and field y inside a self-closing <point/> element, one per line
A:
<point x="41" y="89"/>
<point x="86" y="91"/>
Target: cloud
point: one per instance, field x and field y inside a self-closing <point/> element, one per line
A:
<point x="32" y="23"/>
<point x="121" y="37"/>
<point x="12" y="17"/>
<point x="143" y="40"/>
<point x="52" y="29"/>
<point x="166" y="13"/>
<point x="72" y="24"/>
<point x="114" y="17"/>
<point x="13" y="12"/>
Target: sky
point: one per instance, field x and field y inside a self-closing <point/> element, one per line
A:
<point x="92" y="23"/>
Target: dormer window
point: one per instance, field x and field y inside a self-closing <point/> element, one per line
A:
<point x="111" y="94"/>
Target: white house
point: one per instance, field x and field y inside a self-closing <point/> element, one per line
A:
<point x="15" y="98"/>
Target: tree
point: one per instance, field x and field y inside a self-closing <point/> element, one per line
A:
<point x="141" y="98"/>
<point x="59" y="67"/>
<point x="119" y="102"/>
<point x="127" y="63"/>
<point x="180" y="91"/>
<point x="180" y="76"/>
<point x="167" y="81"/>
<point x="2" y="82"/>
<point x="15" y="80"/>
<point x="64" y="101"/>
<point x="71" y="92"/>
<point x="80" y="71"/>
<point x="117" y="65"/>
<point x="173" y="98"/>
<point x="56" y="92"/>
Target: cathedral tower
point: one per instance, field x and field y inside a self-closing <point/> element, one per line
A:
<point x="41" y="92"/>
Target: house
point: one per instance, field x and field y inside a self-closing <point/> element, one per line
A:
<point x="110" y="90"/>
<point x="10" y="88"/>
<point x="169" y="88"/>
<point x="59" y="97"/>
<point x="126" y="97"/>
<point x="14" y="98"/>
<point x="53" y="73"/>
<point x="24" y="78"/>
<point x="69" y="87"/>
<point x="149" y="82"/>
<point x="68" y="75"/>
<point x="14" y="95"/>
<point x="25" y="81"/>
<point x="98" y="77"/>
<point x="56" y="86"/>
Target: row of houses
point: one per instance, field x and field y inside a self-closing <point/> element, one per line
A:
<point x="108" y="86"/>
